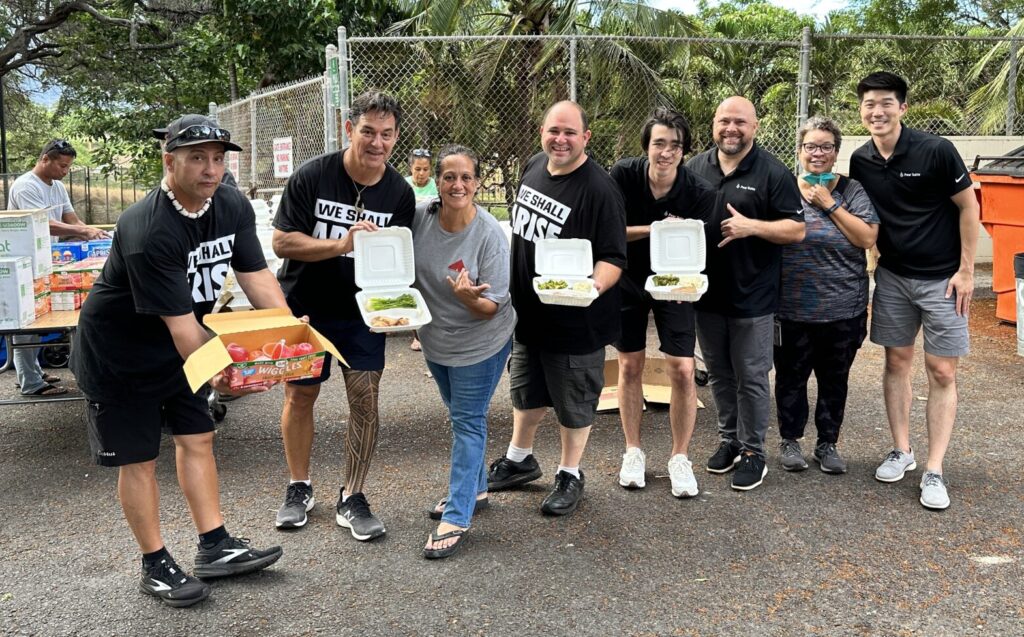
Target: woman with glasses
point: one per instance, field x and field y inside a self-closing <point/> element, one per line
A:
<point x="462" y="270"/>
<point x="824" y="298"/>
<point x="423" y="185"/>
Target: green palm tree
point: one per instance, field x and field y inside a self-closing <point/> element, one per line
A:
<point x="991" y="100"/>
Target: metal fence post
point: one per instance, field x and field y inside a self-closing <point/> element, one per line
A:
<point x="1011" y="89"/>
<point x="214" y="115"/>
<point x="572" y="69"/>
<point x="252" y="143"/>
<point x="332" y="97"/>
<point x="803" y="84"/>
<point x="345" y="68"/>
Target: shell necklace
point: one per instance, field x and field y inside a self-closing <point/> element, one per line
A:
<point x="181" y="209"/>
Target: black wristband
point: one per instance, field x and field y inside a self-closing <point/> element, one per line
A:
<point x="832" y="208"/>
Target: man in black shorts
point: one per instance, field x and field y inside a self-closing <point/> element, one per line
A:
<point x="327" y="201"/>
<point x="558" y="352"/>
<point x="657" y="187"/>
<point x="170" y="255"/>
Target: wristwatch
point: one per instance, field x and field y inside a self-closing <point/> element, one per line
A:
<point x="833" y="208"/>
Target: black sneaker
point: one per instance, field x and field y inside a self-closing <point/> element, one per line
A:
<point x="354" y="514"/>
<point x="750" y="472"/>
<point x="828" y="458"/>
<point x="506" y="474"/>
<point x="297" y="501"/>
<point x="166" y="581"/>
<point x="233" y="556"/>
<point x="725" y="458"/>
<point x="566" y="495"/>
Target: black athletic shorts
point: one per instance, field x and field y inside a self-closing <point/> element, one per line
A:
<point x="127" y="433"/>
<point x="676" y="324"/>
<point x="569" y="383"/>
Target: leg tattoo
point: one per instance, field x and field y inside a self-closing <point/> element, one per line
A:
<point x="362" y="388"/>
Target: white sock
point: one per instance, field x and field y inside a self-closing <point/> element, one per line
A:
<point x="570" y="470"/>
<point x="345" y="496"/>
<point x="305" y="482"/>
<point x="516" y="454"/>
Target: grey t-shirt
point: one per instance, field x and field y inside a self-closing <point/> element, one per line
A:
<point x="29" y="191"/>
<point x="455" y="337"/>
<point x="824" y="277"/>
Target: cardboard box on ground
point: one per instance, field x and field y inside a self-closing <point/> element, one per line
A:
<point x="656" y="386"/>
<point x="252" y="330"/>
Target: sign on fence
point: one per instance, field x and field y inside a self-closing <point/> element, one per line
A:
<point x="282" y="157"/>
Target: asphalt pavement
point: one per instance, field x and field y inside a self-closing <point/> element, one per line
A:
<point x="804" y="554"/>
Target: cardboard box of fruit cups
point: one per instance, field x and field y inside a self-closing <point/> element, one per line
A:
<point x="385" y="271"/>
<point x="564" y="267"/>
<point x="258" y="347"/>
<point x="678" y="256"/>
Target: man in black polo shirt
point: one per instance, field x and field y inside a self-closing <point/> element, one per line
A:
<point x="925" y="275"/>
<point x="558" y="352"/>
<point x="759" y="210"/>
<point x="656" y="187"/>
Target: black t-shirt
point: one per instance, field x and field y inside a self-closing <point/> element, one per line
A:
<point x="744" y="275"/>
<point x="319" y="200"/>
<point x="585" y="204"/>
<point x="160" y="264"/>
<point x="919" y="233"/>
<point x="690" y="197"/>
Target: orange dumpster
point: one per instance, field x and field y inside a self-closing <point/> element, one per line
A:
<point x="1002" y="215"/>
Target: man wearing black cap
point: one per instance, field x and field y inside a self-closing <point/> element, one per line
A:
<point x="161" y="133"/>
<point x="167" y="265"/>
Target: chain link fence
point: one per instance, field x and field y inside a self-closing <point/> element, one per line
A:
<point x="490" y="92"/>
<point x="98" y="196"/>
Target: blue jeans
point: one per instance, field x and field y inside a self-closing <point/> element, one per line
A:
<point x="466" y="392"/>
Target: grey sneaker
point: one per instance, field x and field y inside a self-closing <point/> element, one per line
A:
<point x="792" y="457"/>
<point x="828" y="458"/>
<point x="895" y="465"/>
<point x="933" y="491"/>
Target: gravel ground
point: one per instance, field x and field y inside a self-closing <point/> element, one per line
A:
<point x="806" y="553"/>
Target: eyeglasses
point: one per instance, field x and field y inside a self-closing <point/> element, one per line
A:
<point x="421" y="152"/>
<point x="201" y="131"/>
<point x="825" y="148"/>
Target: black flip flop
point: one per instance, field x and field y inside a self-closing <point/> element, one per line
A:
<point x="434" y="514"/>
<point x="437" y="554"/>
<point x="48" y="390"/>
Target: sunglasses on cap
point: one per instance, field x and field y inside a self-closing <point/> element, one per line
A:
<point x="57" y="145"/>
<point x="201" y="131"/>
<point x="421" y="152"/>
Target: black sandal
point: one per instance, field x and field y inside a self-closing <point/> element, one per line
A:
<point x="435" y="514"/>
<point x="437" y="554"/>
<point x="48" y="390"/>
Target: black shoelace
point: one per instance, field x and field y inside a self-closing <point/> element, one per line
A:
<point x="358" y="505"/>
<point x="166" y="570"/>
<point x="297" y="494"/>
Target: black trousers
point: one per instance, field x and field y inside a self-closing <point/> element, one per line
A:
<point x="827" y="349"/>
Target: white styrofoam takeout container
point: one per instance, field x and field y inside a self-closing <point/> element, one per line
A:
<point x="570" y="260"/>
<point x="386" y="268"/>
<point x="678" y="246"/>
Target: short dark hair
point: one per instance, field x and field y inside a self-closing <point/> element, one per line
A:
<point x="883" y="81"/>
<point x="374" y="100"/>
<point x="57" y="147"/>
<point x="670" y="119"/>
<point x="822" y="124"/>
<point x="583" y="114"/>
<point x="457" y="149"/>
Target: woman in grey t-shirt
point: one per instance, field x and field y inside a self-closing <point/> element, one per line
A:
<point x="823" y="300"/>
<point x="462" y="270"/>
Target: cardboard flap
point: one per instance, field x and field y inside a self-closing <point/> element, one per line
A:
<point x="329" y="346"/>
<point x="205" y="362"/>
<point x="228" y="322"/>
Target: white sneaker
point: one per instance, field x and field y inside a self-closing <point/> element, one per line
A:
<point x="634" y="463"/>
<point x="933" y="491"/>
<point x="680" y="471"/>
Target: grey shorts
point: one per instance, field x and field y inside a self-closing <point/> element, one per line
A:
<point x="901" y="306"/>
<point x="571" y="384"/>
